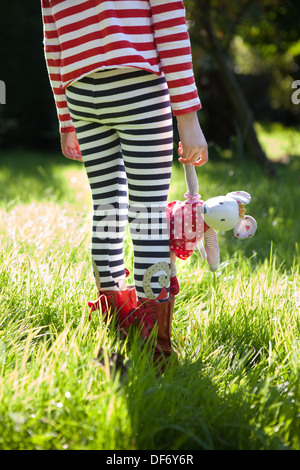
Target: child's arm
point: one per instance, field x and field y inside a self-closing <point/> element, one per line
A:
<point x="70" y="146"/>
<point x="193" y="145"/>
<point x="174" y="50"/>
<point x="69" y="142"/>
<point x="53" y="54"/>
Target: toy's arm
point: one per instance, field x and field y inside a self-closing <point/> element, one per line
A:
<point x="191" y="179"/>
<point x="212" y="249"/>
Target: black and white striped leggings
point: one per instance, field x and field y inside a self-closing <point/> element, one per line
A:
<point x="123" y="122"/>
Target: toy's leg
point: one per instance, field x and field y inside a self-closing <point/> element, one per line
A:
<point x="174" y="285"/>
<point x="173" y="265"/>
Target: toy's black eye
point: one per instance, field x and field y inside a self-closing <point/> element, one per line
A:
<point x="222" y="220"/>
<point x="221" y="203"/>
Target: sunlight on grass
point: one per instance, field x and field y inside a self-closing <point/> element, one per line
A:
<point x="279" y="142"/>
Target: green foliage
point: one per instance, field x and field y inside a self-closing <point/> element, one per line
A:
<point x="260" y="41"/>
<point x="29" y="117"/>
<point x="267" y="29"/>
<point x="237" y="331"/>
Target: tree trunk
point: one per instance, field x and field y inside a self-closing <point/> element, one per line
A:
<point x="239" y="103"/>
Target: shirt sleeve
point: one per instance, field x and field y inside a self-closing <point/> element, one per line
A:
<point x="174" y="50"/>
<point x="52" y="51"/>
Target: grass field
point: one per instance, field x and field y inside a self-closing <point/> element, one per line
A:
<point x="237" y="331"/>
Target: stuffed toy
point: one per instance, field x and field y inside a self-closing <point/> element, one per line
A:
<point x="193" y="220"/>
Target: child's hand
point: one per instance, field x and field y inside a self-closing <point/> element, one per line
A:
<point x="193" y="146"/>
<point x="70" y="146"/>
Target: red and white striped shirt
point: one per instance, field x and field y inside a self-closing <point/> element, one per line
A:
<point x="82" y="36"/>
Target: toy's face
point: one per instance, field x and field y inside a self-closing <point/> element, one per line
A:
<point x="221" y="213"/>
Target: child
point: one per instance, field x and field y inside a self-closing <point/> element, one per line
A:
<point x="118" y="69"/>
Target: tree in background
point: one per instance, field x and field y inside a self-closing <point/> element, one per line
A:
<point x="269" y="26"/>
<point x="28" y="118"/>
<point x="231" y="38"/>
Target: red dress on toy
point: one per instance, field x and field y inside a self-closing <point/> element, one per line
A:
<point x="186" y="226"/>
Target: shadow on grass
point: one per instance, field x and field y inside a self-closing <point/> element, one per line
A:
<point x="196" y="403"/>
<point x="185" y="410"/>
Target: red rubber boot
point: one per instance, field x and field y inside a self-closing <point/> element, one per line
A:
<point x="119" y="303"/>
<point x="162" y="314"/>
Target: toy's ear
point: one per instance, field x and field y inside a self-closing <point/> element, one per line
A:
<point x="245" y="228"/>
<point x="241" y="197"/>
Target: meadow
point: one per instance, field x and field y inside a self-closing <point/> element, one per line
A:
<point x="236" y="386"/>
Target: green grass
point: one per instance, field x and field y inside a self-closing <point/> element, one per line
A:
<point x="278" y="142"/>
<point x="237" y="331"/>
